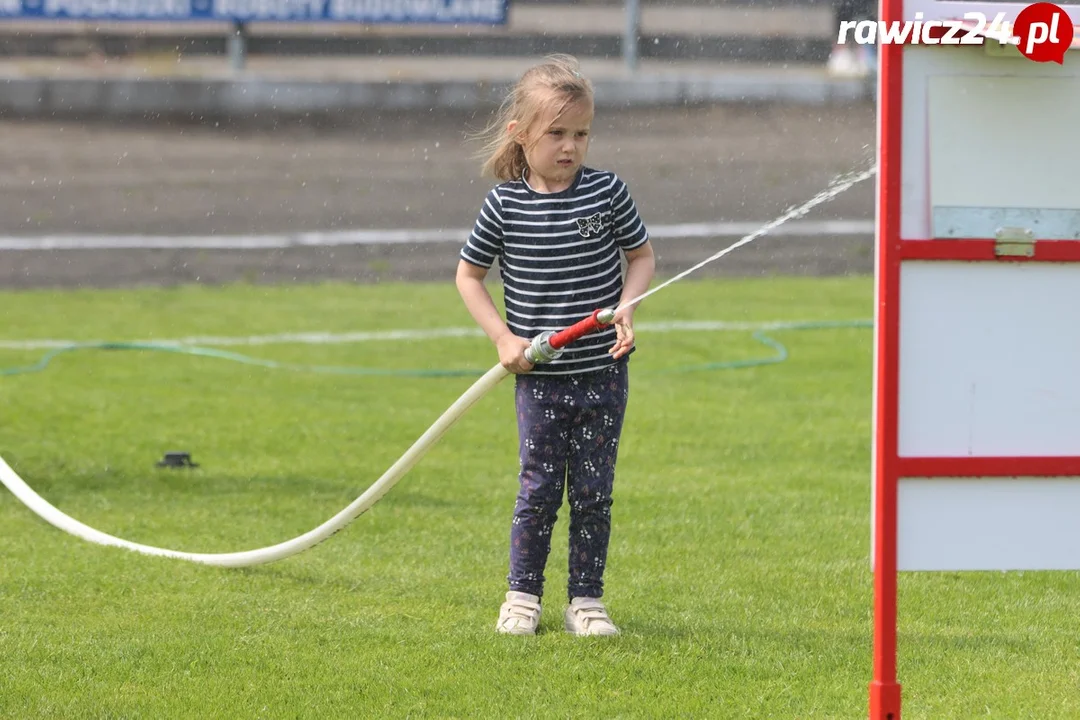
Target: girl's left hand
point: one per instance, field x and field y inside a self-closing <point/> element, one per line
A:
<point x="624" y="331"/>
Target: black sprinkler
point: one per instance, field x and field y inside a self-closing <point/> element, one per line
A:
<point x="177" y="460"/>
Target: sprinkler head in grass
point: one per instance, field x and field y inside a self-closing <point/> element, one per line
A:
<point x="177" y="460"/>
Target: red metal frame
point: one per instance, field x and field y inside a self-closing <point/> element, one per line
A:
<point x="884" y="689"/>
<point x="982" y="249"/>
<point x="1023" y="466"/>
<point x="889" y="467"/>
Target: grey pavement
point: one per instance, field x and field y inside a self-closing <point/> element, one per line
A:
<point x="691" y="170"/>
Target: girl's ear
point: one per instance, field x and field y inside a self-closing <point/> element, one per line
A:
<point x="512" y="132"/>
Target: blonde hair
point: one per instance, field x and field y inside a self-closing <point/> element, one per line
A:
<point x="557" y="79"/>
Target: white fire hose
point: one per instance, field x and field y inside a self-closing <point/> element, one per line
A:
<point x="544" y="348"/>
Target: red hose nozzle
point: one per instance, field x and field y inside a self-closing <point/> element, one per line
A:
<point x="546" y="346"/>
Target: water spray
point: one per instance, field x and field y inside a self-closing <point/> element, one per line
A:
<point x="545" y="347"/>
<point x="839" y="185"/>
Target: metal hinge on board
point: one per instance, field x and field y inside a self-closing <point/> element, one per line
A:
<point x="1014" y="242"/>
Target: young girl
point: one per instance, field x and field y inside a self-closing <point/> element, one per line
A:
<point x="557" y="228"/>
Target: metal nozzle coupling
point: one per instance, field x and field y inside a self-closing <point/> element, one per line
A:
<point x="606" y="316"/>
<point x="541" y="351"/>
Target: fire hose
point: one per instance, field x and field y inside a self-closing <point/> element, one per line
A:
<point x="544" y="348"/>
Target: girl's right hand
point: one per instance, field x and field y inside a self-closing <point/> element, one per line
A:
<point x="512" y="354"/>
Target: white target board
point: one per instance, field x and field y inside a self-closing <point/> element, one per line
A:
<point x="990" y="360"/>
<point x="988" y="143"/>
<point x="985" y="174"/>
<point x="989" y="366"/>
<point x="1022" y="523"/>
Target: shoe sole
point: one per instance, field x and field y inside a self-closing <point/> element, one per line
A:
<point x="570" y="628"/>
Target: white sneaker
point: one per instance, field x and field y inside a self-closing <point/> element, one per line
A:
<point x="587" y="616"/>
<point x="519" y="615"/>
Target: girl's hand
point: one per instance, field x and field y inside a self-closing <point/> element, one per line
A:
<point x="624" y="331"/>
<point x="512" y="354"/>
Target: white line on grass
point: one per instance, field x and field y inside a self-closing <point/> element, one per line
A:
<point x="809" y="228"/>
<point x="327" y="338"/>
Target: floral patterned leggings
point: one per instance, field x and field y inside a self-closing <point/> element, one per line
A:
<point x="568" y="429"/>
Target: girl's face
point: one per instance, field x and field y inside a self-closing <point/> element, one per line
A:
<point x="556" y="145"/>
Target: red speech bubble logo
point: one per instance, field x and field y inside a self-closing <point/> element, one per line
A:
<point x="1045" y="32"/>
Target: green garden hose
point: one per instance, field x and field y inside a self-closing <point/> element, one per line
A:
<point x="779" y="355"/>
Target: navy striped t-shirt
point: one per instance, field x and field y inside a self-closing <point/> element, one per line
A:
<point x="559" y="258"/>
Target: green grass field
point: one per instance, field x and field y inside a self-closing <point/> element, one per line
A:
<point x="738" y="569"/>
